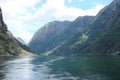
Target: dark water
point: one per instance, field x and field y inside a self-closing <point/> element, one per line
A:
<point x="60" y="68"/>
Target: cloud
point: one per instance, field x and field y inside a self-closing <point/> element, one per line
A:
<point x="24" y="17"/>
<point x="15" y="14"/>
<point x="56" y="9"/>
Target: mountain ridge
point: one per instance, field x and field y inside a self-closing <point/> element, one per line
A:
<point x="56" y="33"/>
<point x="98" y="36"/>
<point x="103" y="35"/>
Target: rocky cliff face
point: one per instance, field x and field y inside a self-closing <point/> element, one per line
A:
<point x="56" y="33"/>
<point x="9" y="46"/>
<point x="3" y="26"/>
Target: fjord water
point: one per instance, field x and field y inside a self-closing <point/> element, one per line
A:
<point x="60" y="68"/>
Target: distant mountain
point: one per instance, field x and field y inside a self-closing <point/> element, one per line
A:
<point x="56" y="33"/>
<point x="99" y="35"/>
<point x="9" y="46"/>
<point x="20" y="40"/>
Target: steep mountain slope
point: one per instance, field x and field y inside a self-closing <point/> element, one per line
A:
<point x="106" y="31"/>
<point x="54" y="34"/>
<point x="102" y="37"/>
<point x="9" y="46"/>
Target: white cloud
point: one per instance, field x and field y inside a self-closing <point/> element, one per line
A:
<point x="22" y="16"/>
<point x="16" y="14"/>
<point x="58" y="10"/>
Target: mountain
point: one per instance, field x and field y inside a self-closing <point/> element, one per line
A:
<point x="9" y="46"/>
<point x="54" y="34"/>
<point x="99" y="35"/>
<point x="20" y="40"/>
<point x="102" y="37"/>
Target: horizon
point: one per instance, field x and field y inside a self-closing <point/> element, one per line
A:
<point x="30" y="15"/>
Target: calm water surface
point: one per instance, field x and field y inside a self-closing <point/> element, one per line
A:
<point x="60" y="68"/>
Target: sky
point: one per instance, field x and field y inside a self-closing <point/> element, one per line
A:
<point x="25" y="17"/>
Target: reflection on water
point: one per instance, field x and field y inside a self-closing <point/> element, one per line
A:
<point x="60" y="68"/>
<point x="18" y="69"/>
<point x="27" y="68"/>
